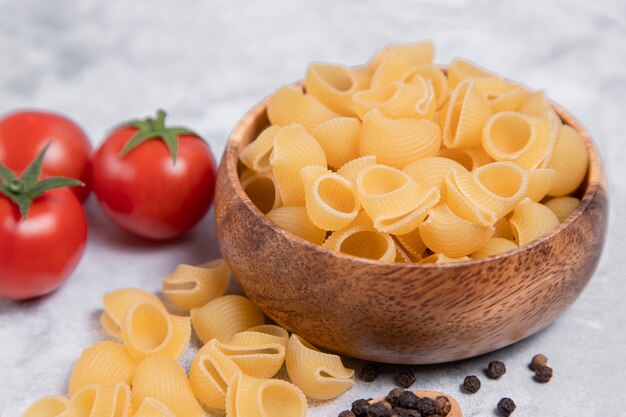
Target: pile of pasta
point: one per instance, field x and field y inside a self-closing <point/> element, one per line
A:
<point x="139" y="374"/>
<point x="401" y="161"/>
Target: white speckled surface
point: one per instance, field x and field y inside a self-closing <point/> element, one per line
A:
<point x="207" y="62"/>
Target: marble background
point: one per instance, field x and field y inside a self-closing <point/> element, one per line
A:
<point x="206" y="62"/>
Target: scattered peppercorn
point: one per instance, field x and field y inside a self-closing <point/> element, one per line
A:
<point x="408" y="400"/>
<point x="398" y="412"/>
<point x="360" y="407"/>
<point x="379" y="409"/>
<point x="426" y="406"/>
<point x="538" y="361"/>
<point x="443" y="405"/>
<point x="543" y="374"/>
<point x="346" y="413"/>
<point x="506" y="406"/>
<point x="413" y="413"/>
<point x="393" y="396"/>
<point x="369" y="372"/>
<point x="471" y="384"/>
<point x="495" y="369"/>
<point x="405" y="378"/>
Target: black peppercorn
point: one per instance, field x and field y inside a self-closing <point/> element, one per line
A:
<point x="405" y="378"/>
<point x="379" y="409"/>
<point x="398" y="412"/>
<point x="413" y="413"/>
<point x="360" y="407"/>
<point x="538" y="361"/>
<point x="471" y="384"/>
<point x="495" y="370"/>
<point x="443" y="405"/>
<point x="506" y="406"/>
<point x="369" y="373"/>
<point x="392" y="397"/>
<point x="408" y="400"/>
<point x="426" y="406"/>
<point x="346" y="413"/>
<point x="543" y="374"/>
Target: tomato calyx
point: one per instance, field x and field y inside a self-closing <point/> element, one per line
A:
<point x="23" y="190"/>
<point x="155" y="129"/>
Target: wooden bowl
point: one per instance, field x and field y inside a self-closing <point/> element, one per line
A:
<point x="406" y="313"/>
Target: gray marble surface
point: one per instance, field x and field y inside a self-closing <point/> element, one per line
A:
<point x="208" y="61"/>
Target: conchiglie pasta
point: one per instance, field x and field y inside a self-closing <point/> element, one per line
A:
<point x="398" y="142"/>
<point x="331" y="201"/>
<point x="262" y="189"/>
<point x="150" y="407"/>
<point x="51" y="406"/>
<point x="459" y="202"/>
<point x="104" y="363"/>
<point x="501" y="95"/>
<point x="351" y="170"/>
<point x="503" y="229"/>
<point x="148" y="329"/>
<point x="440" y="258"/>
<point x="497" y="186"/>
<point x="209" y="375"/>
<point x="562" y="206"/>
<point x="436" y="77"/>
<point x="319" y="375"/>
<point x="462" y="69"/>
<point x="289" y="105"/>
<point x="446" y="233"/>
<point x="225" y="316"/>
<point x="414" y="53"/>
<point x="570" y="161"/>
<point x="193" y="286"/>
<point x="431" y="171"/>
<point x="261" y="360"/>
<point x="412" y="243"/>
<point x="333" y="85"/>
<point x="296" y="220"/>
<point x="470" y="158"/>
<point x="494" y="246"/>
<point x="532" y="220"/>
<point x="162" y="378"/>
<point x="263" y="334"/>
<point x="464" y="116"/>
<point x="339" y="138"/>
<point x="399" y="100"/>
<point x="253" y="397"/>
<point x="294" y="149"/>
<point x="100" y="400"/>
<point x="539" y="182"/>
<point x="256" y="154"/>
<point x="117" y="303"/>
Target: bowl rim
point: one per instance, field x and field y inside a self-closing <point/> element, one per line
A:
<point x="230" y="158"/>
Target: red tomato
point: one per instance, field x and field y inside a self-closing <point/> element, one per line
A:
<point x="37" y="254"/>
<point x="145" y="191"/>
<point x="25" y="133"/>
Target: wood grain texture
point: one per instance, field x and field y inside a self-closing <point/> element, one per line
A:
<point x="406" y="313"/>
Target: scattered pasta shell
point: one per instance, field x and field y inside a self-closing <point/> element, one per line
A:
<point x="319" y="375"/>
<point x="150" y="407"/>
<point x="464" y="116"/>
<point x="193" y="286"/>
<point x="263" y="334"/>
<point x="104" y="363"/>
<point x="117" y="303"/>
<point x="562" y="206"/>
<point x="262" y="189"/>
<point x="162" y="378"/>
<point x="252" y="397"/>
<point x="289" y="105"/>
<point x="532" y="220"/>
<point x="296" y="220"/>
<point x="339" y="138"/>
<point x="100" y="400"/>
<point x="494" y="246"/>
<point x="51" y="406"/>
<point x="262" y="360"/>
<point x="225" y="316"/>
<point x="570" y="161"/>
<point x="209" y="375"/>
<point x="333" y="85"/>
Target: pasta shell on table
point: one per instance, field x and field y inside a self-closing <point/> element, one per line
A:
<point x="296" y="220"/>
<point x="540" y="181"/>
<point x="294" y="149"/>
<point x="163" y="379"/>
<point x="361" y="239"/>
<point x="463" y="69"/>
<point x="437" y="78"/>
<point x="464" y="116"/>
<point x="193" y="286"/>
<point x="289" y="105"/>
<point x="253" y="397"/>
<point x="262" y="360"/>
<point x="532" y="220"/>
<point x="263" y="334"/>
<point x="262" y="189"/>
<point x="104" y="363"/>
<point x="319" y="375"/>
<point x="562" y="206"/>
<point x="440" y="258"/>
<point x="431" y="171"/>
<point x="399" y="100"/>
<point x="333" y="85"/>
<point x="398" y="142"/>
<point x="224" y="317"/>
<point x="51" y="406"/>
<point x="494" y="246"/>
<point x="117" y="303"/>
<point x="462" y="206"/>
<point x="412" y="243"/>
<point x="256" y="154"/>
<point x="100" y="400"/>
<point x="446" y="233"/>
<point x="412" y="54"/>
<point x="331" y="200"/>
<point x="339" y="138"/>
<point x="350" y="170"/>
<point x="150" y="407"/>
<point x="570" y="162"/>
<point x="148" y="329"/>
<point x="209" y="375"/>
<point x="470" y="158"/>
<point x="503" y="229"/>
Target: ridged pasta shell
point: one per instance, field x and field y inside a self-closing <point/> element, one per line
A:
<point x="162" y="378"/>
<point x="501" y="95"/>
<point x="413" y="243"/>
<point x="503" y="229"/>
<point x="570" y="161"/>
<point x="262" y="360"/>
<point x="100" y="401"/>
<point x="51" y="406"/>
<point x="409" y="54"/>
<point x="350" y="170"/>
<point x="398" y="142"/>
<point x="256" y="154"/>
<point x="562" y="206"/>
<point x="464" y="117"/>
<point x="437" y="78"/>
<point x="104" y="363"/>
<point x="150" y="407"/>
<point x="462" y="69"/>
<point x="431" y="171"/>
<point x="532" y="220"/>
<point x="209" y="375"/>
<point x="319" y="375"/>
<point x="262" y="190"/>
<point x="539" y="182"/>
<point x="263" y="334"/>
<point x="339" y="138"/>
<point x="289" y="105"/>
<point x="225" y="316"/>
<point x="399" y="100"/>
<point x="117" y="303"/>
<point x="440" y="258"/>
<point x="494" y="246"/>
<point x="193" y="286"/>
<point x="296" y="220"/>
<point x="333" y="85"/>
<point x="470" y="158"/>
<point x="462" y="206"/>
